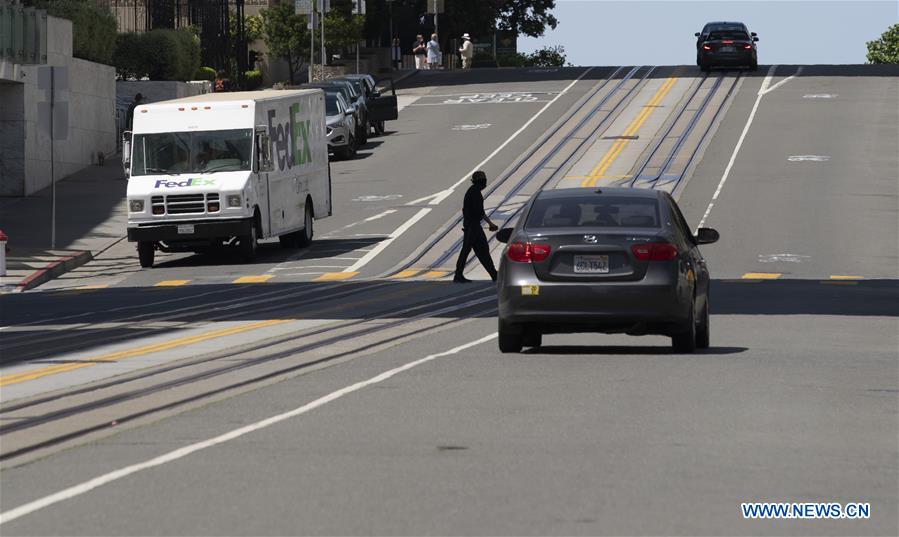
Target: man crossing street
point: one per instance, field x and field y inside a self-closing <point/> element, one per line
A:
<point x="474" y="238"/>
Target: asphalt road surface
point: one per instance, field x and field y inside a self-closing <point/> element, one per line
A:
<point x="351" y="388"/>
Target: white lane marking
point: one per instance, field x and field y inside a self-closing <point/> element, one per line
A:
<point x="820" y="96"/>
<point x="733" y="156"/>
<point x="388" y="197"/>
<point x="385" y="243"/>
<point x="765" y="90"/>
<point x="781" y="258"/>
<point x="808" y="158"/>
<point x="180" y="453"/>
<point x="471" y="127"/>
<point x="438" y="197"/>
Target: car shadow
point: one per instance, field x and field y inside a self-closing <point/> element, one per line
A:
<point x="612" y="350"/>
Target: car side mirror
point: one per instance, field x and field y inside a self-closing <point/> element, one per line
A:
<point x="755" y="38"/>
<point x="263" y="151"/>
<point x="126" y="151"/>
<point x="504" y="234"/>
<point x="348" y="112"/>
<point x="706" y="235"/>
<point x="753" y="34"/>
<point x="375" y="94"/>
<point x="696" y="34"/>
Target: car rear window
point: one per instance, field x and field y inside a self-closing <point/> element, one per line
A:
<point x="597" y="211"/>
<point x="735" y="35"/>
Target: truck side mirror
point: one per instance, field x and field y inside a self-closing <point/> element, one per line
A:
<point x="263" y="161"/>
<point x="126" y="151"/>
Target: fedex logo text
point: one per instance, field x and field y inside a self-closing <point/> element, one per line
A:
<point x="165" y="183"/>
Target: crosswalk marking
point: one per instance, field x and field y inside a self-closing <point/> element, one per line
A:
<point x="254" y="279"/>
<point x="335" y="276"/>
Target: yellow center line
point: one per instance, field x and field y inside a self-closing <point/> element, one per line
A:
<point x="130" y="353"/>
<point x="335" y="276"/>
<point x="845" y="277"/>
<point x="171" y="283"/>
<point x="433" y="274"/>
<point x="761" y="275"/>
<point x="405" y="274"/>
<point x="602" y="167"/>
<point x="254" y="279"/>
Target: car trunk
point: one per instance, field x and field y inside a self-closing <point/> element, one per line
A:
<point x="593" y="255"/>
<point x="727" y="46"/>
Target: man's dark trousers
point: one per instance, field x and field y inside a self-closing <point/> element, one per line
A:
<point x="476" y="240"/>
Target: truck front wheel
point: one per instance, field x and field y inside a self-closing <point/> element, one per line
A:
<point x="249" y="243"/>
<point x="304" y="236"/>
<point x="146" y="251"/>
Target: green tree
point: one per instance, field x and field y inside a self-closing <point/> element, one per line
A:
<point x="885" y="49"/>
<point x="547" y="57"/>
<point x="343" y="29"/>
<point x="528" y="17"/>
<point x="93" y="27"/>
<point x="285" y="35"/>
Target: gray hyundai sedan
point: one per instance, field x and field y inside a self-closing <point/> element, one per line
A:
<point x="610" y="260"/>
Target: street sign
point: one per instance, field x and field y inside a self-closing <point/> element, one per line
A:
<point x="302" y="7"/>
<point x="435" y="6"/>
<point x="358" y="7"/>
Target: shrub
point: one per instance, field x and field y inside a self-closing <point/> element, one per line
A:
<point x="93" y="28"/>
<point x="513" y="59"/>
<point x="128" y="58"/>
<point x="159" y="54"/>
<point x="253" y="79"/>
<point x="205" y="73"/>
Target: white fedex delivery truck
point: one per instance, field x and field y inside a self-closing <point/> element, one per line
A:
<point x="227" y="169"/>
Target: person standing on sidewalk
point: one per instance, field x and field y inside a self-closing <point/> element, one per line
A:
<point x="466" y="51"/>
<point x="420" y="51"/>
<point x="433" y="53"/>
<point x="129" y="117"/>
<point x="473" y="234"/>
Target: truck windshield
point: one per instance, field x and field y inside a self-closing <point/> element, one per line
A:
<point x="192" y="152"/>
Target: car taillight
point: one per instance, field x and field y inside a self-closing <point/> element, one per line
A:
<point x="654" y="251"/>
<point x="728" y="42"/>
<point x="706" y="47"/>
<point x="527" y="252"/>
<point x="747" y="47"/>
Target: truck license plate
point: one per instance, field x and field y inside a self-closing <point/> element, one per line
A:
<point x="185" y="229"/>
<point x="591" y="264"/>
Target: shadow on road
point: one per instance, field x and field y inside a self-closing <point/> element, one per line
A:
<point x="41" y="326"/>
<point x="627" y="350"/>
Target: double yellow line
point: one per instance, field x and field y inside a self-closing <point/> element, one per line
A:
<point x="600" y="169"/>
<point x="121" y="355"/>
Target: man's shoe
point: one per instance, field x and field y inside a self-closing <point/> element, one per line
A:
<point x="461" y="279"/>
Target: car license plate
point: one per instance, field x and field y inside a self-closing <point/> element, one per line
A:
<point x="727" y="49"/>
<point x="185" y="229"/>
<point x="591" y="264"/>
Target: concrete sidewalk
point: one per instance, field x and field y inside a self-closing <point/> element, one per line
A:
<point x="91" y="216"/>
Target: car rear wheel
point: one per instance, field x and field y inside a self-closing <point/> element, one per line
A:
<point x="704" y="67"/>
<point x="685" y="341"/>
<point x="754" y="66"/>
<point x="146" y="251"/>
<point x="702" y="331"/>
<point x="508" y="341"/>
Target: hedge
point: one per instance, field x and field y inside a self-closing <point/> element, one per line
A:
<point x="93" y="27"/>
<point x="158" y="54"/>
<point x="205" y="73"/>
<point x="253" y="79"/>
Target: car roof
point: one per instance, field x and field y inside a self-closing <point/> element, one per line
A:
<point x="557" y="193"/>
<point x="723" y="23"/>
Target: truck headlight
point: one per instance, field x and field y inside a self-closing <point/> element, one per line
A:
<point x="136" y="206"/>
<point x="233" y="200"/>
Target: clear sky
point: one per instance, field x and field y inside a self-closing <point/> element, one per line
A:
<point x="660" y="32"/>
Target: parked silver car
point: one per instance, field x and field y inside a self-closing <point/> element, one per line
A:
<point x="340" y="126"/>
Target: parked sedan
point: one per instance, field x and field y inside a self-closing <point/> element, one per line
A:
<point x="726" y="44"/>
<point x="380" y="103"/>
<point x="610" y="260"/>
<point x="340" y="126"/>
